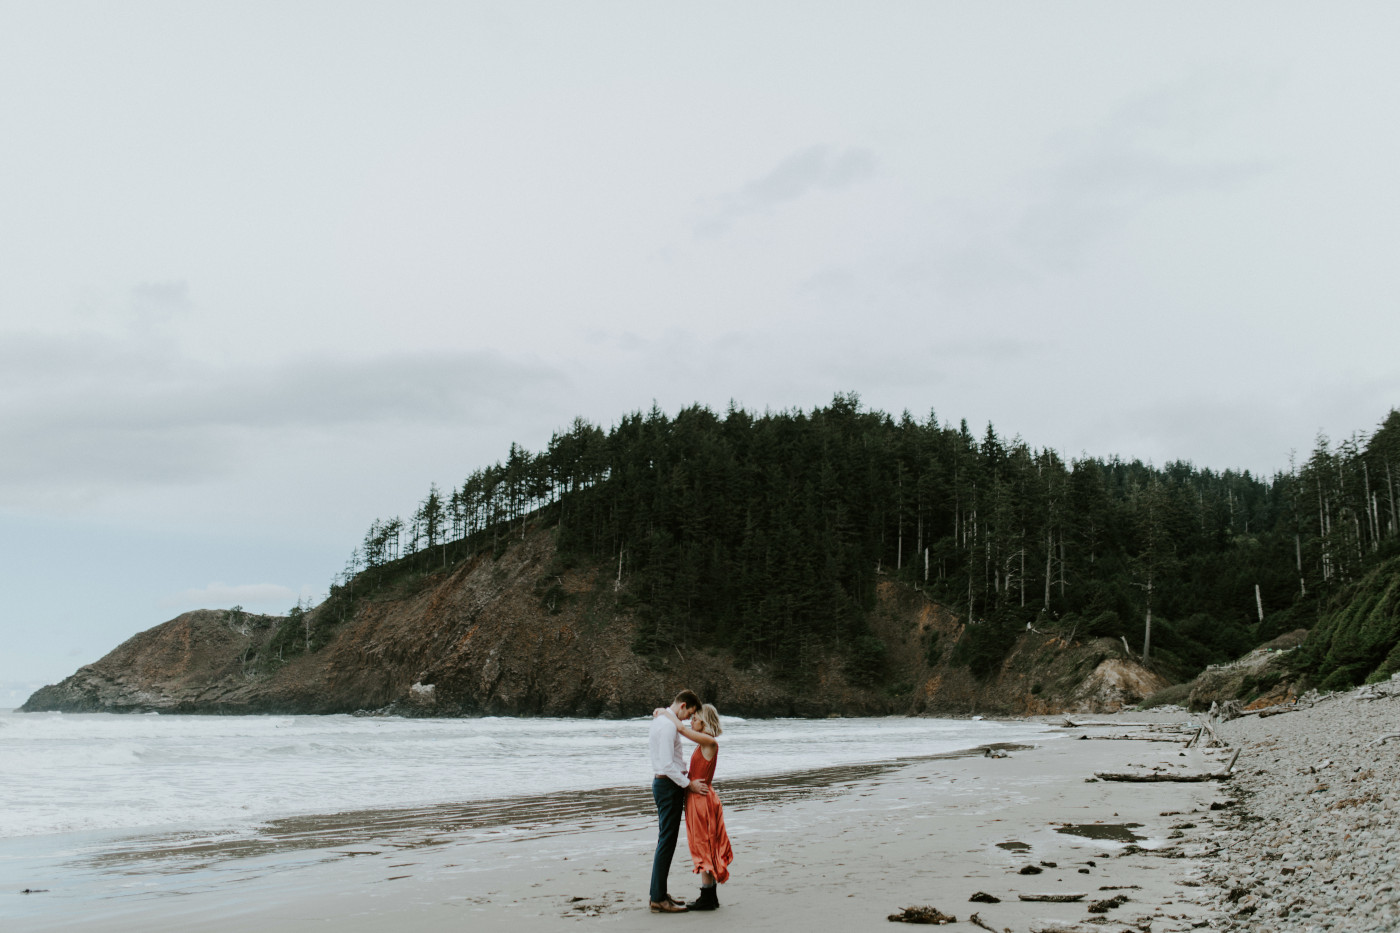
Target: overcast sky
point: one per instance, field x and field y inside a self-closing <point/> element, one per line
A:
<point x="267" y="270"/>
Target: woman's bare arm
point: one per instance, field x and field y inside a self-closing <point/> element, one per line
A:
<point x="699" y="738"/>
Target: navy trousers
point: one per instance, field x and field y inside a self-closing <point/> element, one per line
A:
<point x="670" y="804"/>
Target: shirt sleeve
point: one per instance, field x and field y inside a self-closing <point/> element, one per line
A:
<point x="662" y="741"/>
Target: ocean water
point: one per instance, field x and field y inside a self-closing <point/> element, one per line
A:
<point x="146" y="823"/>
<point x="84" y="773"/>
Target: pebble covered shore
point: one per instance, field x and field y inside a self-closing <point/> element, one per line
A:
<point x="1313" y="843"/>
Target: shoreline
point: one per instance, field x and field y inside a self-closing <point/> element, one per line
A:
<point x="842" y="846"/>
<point x="1302" y="836"/>
<point x="154" y="774"/>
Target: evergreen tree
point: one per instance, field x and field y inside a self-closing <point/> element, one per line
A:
<point x="770" y="535"/>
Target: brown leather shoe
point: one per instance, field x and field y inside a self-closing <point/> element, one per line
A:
<point x="678" y="903"/>
<point x="667" y="907"/>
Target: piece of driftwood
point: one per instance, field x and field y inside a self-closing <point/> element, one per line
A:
<point x="975" y="920"/>
<point x="1053" y="898"/>
<point x="1276" y="711"/>
<point x="1215" y="740"/>
<point x="924" y="914"/>
<point x="1097" y="723"/>
<point x="1383" y="739"/>
<point x="1149" y="777"/>
<point x="1057" y="926"/>
<point x="1225" y="771"/>
<point x="1134" y="738"/>
<point x="1377" y="691"/>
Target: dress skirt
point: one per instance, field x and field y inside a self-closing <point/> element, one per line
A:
<point x="704" y="831"/>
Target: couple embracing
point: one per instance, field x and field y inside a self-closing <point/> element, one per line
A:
<point x="678" y="789"/>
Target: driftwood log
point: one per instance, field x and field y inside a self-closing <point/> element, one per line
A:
<point x="1215" y="741"/>
<point x="1149" y="777"/>
<point x="1095" y="723"/>
<point x="1053" y="898"/>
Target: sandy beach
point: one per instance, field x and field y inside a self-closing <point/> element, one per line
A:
<point x="840" y="848"/>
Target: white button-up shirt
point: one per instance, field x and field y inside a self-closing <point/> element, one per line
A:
<point x="665" y="744"/>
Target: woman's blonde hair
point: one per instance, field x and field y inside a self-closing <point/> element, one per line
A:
<point x="710" y="717"/>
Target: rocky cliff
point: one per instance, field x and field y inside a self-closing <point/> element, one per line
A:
<point x="516" y="634"/>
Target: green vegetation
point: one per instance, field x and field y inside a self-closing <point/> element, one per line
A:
<point x="1175" y="695"/>
<point x="866" y="661"/>
<point x="984" y="646"/>
<point x="1254" y="686"/>
<point x="1358" y="639"/>
<point x="768" y="536"/>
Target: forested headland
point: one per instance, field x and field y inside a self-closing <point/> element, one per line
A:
<point x="765" y="537"/>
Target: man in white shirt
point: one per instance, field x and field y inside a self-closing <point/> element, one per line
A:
<point x="669" y="786"/>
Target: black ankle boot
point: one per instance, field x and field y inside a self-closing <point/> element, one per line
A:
<point x="708" y="899"/>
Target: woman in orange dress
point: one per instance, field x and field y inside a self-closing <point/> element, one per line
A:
<point x="704" y="814"/>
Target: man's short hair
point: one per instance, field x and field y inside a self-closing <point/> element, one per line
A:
<point x="688" y="698"/>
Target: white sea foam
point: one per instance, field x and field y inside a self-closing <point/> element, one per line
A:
<point x="71" y="772"/>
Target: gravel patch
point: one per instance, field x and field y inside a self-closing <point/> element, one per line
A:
<point x="1313" y="842"/>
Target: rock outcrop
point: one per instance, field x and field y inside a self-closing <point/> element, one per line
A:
<point x="1263" y="677"/>
<point x="1114" y="684"/>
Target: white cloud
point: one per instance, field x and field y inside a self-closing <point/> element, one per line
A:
<point x="815" y="168"/>
<point x="1094" y="181"/>
<point x="84" y="417"/>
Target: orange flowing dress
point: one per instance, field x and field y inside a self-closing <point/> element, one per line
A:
<point x="704" y="822"/>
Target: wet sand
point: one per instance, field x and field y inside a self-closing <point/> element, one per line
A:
<point x="840" y="848"/>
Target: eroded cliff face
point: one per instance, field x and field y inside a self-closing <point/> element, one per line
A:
<point x="514" y="635"/>
<point x="193" y="658"/>
<point x="1263" y="677"/>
